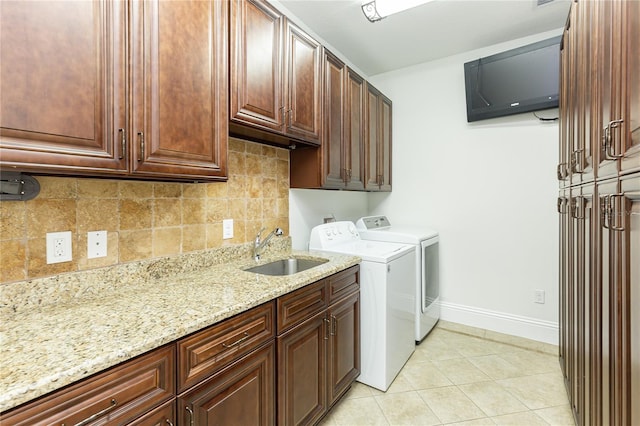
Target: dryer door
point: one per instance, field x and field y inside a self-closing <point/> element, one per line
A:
<point x="430" y="273"/>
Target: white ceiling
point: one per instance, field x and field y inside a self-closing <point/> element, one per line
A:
<point x="434" y="30"/>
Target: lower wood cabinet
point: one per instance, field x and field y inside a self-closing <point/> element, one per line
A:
<point x="319" y="356"/>
<point x="599" y="296"/>
<point x="241" y="394"/>
<point x="117" y="396"/>
<point x="229" y="373"/>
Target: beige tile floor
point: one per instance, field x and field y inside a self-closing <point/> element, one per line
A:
<point x="462" y="379"/>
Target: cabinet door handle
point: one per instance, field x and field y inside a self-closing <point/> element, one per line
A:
<point x="244" y="337"/>
<point x="190" y="411"/>
<point x="100" y="413"/>
<point x="123" y="143"/>
<point x="141" y="136"/>
<point x="607" y="140"/>
<point x="334" y="325"/>
<point x="327" y="326"/>
<point x="169" y="422"/>
<point x="614" y="213"/>
<point x="577" y="161"/>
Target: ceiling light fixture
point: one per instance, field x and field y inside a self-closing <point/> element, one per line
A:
<point x="376" y="10"/>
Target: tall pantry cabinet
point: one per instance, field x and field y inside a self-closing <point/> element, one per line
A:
<point x="599" y="211"/>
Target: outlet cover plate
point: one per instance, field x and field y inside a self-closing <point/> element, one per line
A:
<point x="96" y="244"/>
<point x="59" y="247"/>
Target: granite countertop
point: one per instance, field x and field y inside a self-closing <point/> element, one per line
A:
<point x="49" y="345"/>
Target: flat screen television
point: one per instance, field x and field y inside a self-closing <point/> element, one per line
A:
<point x="518" y="80"/>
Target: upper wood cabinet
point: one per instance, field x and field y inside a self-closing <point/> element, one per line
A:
<point x="339" y="162"/>
<point x="123" y="89"/>
<point x="630" y="139"/>
<point x="62" y="80"/>
<point x="275" y="74"/>
<point x="378" y="141"/>
<point x="179" y="108"/>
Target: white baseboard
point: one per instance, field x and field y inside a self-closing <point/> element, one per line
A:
<point x="515" y="325"/>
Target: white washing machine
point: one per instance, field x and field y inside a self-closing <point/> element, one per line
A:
<point x="427" y="275"/>
<point x="387" y="299"/>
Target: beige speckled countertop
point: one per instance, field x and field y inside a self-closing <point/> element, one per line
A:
<point x="47" y="345"/>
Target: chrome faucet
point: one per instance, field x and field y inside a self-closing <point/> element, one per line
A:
<point x="259" y="245"/>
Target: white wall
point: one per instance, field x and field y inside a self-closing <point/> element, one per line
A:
<point x="308" y="208"/>
<point x="488" y="187"/>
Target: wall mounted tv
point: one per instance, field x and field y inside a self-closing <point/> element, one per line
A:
<point x="518" y="80"/>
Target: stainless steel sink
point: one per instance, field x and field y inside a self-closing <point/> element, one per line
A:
<point x="288" y="266"/>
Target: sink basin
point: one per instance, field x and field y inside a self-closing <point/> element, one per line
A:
<point x="288" y="266"/>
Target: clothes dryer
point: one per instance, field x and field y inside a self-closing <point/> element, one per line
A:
<point x="427" y="274"/>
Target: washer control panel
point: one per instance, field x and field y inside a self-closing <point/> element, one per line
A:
<point x="373" y="222"/>
<point x="332" y="234"/>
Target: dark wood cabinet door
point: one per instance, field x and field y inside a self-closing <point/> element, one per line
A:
<point x="372" y="140"/>
<point x="631" y="79"/>
<point x="354" y="129"/>
<point x="606" y="285"/>
<point x="629" y="294"/>
<point x="607" y="100"/>
<point x="343" y="362"/>
<point x="378" y="141"/>
<point x="335" y="171"/>
<point x="564" y="101"/>
<point x="302" y="395"/>
<point x="256" y="72"/>
<point x="62" y="80"/>
<point x="583" y="46"/>
<point x="385" y="143"/>
<point x="180" y="89"/>
<point x="303" y="56"/>
<point x="241" y="394"/>
<point x="563" y="246"/>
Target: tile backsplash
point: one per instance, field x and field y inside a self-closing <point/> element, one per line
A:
<point x="145" y="219"/>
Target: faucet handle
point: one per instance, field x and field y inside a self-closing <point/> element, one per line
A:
<point x="278" y="232"/>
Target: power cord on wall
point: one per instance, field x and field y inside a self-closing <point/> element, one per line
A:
<point x="545" y="120"/>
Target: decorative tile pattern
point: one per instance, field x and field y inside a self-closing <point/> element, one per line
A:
<point x="146" y="219"/>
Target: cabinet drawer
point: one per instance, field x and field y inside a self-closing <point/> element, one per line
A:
<point x="164" y="415"/>
<point x="116" y="396"/>
<point x="301" y="304"/>
<point x="344" y="283"/>
<point x="211" y="349"/>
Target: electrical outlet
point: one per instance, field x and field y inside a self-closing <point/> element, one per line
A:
<point x="538" y="296"/>
<point x="227" y="229"/>
<point x="59" y="247"/>
<point x="96" y="244"/>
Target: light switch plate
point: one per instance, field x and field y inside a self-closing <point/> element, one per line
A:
<point x="96" y="244"/>
<point x="227" y="229"/>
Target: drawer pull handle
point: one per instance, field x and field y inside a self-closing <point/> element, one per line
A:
<point x="237" y="342"/>
<point x="100" y="413"/>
